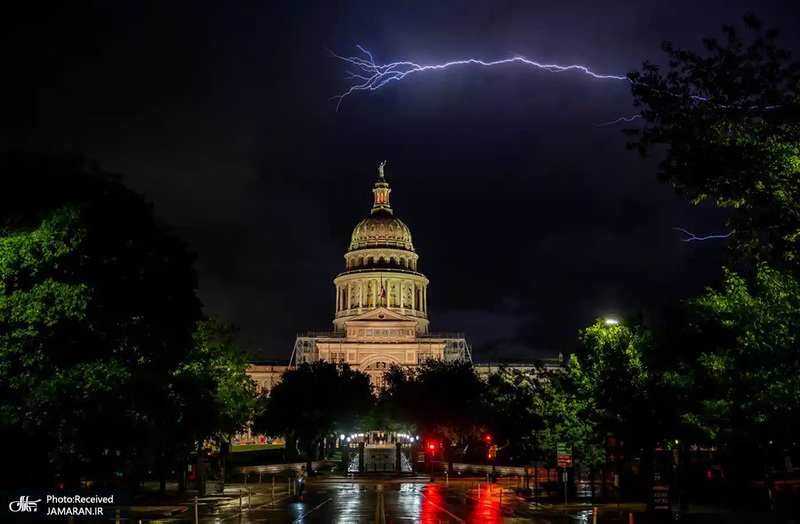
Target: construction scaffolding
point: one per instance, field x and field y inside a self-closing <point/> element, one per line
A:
<point x="457" y="349"/>
<point x="305" y="350"/>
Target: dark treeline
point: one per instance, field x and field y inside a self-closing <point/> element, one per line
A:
<point x="108" y="368"/>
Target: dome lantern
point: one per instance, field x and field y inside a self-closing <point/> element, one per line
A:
<point x="381" y="192"/>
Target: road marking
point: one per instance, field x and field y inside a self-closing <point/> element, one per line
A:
<point x="441" y="508"/>
<point x="382" y="505"/>
<point x="304" y="515"/>
<point x="272" y="502"/>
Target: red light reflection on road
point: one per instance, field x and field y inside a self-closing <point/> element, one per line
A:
<point x="487" y="508"/>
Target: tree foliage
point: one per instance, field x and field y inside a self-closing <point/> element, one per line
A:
<point x="314" y="401"/>
<point x="438" y="398"/>
<point x="216" y="396"/>
<point x="746" y="380"/>
<point x="730" y="118"/>
<point x="98" y="313"/>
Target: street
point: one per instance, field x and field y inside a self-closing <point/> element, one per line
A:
<point x="382" y="501"/>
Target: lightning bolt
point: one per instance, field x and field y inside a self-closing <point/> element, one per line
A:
<point x="372" y="76"/>
<point x="620" y="119"/>
<point x="692" y="236"/>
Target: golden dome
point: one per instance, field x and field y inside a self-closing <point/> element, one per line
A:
<point x="381" y="229"/>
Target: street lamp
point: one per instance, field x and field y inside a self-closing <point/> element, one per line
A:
<point x="612" y="322"/>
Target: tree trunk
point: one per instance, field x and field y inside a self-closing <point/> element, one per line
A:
<point x="183" y="464"/>
<point x="311" y="451"/>
<point x="450" y="458"/>
<point x="682" y="458"/>
<point x="162" y="475"/>
<point x="536" y="471"/>
<point x="604" y="480"/>
<point x="591" y="480"/>
<point x="646" y="476"/>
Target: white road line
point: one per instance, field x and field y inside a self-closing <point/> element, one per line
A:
<point x="304" y="515"/>
<point x="271" y="502"/>
<point x="441" y="508"/>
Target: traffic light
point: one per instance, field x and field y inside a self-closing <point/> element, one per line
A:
<point x="488" y="438"/>
<point x="431" y="447"/>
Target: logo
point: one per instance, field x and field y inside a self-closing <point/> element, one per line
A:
<point x="23" y="505"/>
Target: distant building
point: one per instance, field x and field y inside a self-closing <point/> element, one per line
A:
<point x="381" y="308"/>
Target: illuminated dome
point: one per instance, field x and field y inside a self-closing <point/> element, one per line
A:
<point x="381" y="268"/>
<point x="381" y="229"/>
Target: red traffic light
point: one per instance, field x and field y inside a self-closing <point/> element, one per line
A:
<point x="431" y="446"/>
<point x="488" y="438"/>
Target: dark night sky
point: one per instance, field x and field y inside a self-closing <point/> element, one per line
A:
<point x="530" y="221"/>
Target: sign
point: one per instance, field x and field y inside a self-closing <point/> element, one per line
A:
<point x="661" y="498"/>
<point x="564" y="454"/>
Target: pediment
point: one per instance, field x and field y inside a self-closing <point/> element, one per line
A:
<point x="380" y="314"/>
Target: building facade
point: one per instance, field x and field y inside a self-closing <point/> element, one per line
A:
<point x="380" y="309"/>
<point x="380" y="306"/>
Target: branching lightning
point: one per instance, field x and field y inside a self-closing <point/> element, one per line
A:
<point x="372" y="76"/>
<point x="693" y="237"/>
<point x="620" y="119"/>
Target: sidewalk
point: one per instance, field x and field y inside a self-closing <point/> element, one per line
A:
<point x="149" y="504"/>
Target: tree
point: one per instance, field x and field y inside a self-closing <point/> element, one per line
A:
<point x="512" y="415"/>
<point x="611" y="370"/>
<point x="439" y="398"/>
<point x="612" y="389"/>
<point x="730" y="121"/>
<point x="314" y="401"/>
<point x="213" y="392"/>
<point x="97" y="311"/>
<point x="745" y="382"/>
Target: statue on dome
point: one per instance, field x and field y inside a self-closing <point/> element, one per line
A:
<point x="380" y="169"/>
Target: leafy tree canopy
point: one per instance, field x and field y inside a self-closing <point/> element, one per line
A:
<point x="746" y="380"/>
<point x="731" y="120"/>
<point x="438" y="398"/>
<point x="316" y="400"/>
<point x="98" y="319"/>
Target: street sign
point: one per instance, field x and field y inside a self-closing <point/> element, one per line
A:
<point x="564" y="454"/>
<point x="661" y="498"/>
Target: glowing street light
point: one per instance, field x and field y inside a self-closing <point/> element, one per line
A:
<point x="612" y="322"/>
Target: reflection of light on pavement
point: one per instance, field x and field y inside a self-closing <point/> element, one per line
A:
<point x="348" y="500"/>
<point x="409" y="499"/>
<point x="433" y="504"/>
<point x="487" y="508"/>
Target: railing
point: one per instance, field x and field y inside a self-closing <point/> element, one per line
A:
<point x="440" y="335"/>
<point x="407" y="311"/>
<point x="341" y="334"/>
<point x="323" y="334"/>
<point x="387" y="269"/>
<point x="544" y="362"/>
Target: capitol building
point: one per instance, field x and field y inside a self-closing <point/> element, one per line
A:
<point x="381" y="306"/>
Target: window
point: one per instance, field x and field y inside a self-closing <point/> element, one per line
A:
<point x="393" y="333"/>
<point x="369" y="332"/>
<point x="385" y="333"/>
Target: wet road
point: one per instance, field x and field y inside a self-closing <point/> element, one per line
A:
<point x="383" y="502"/>
<point x="386" y="501"/>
